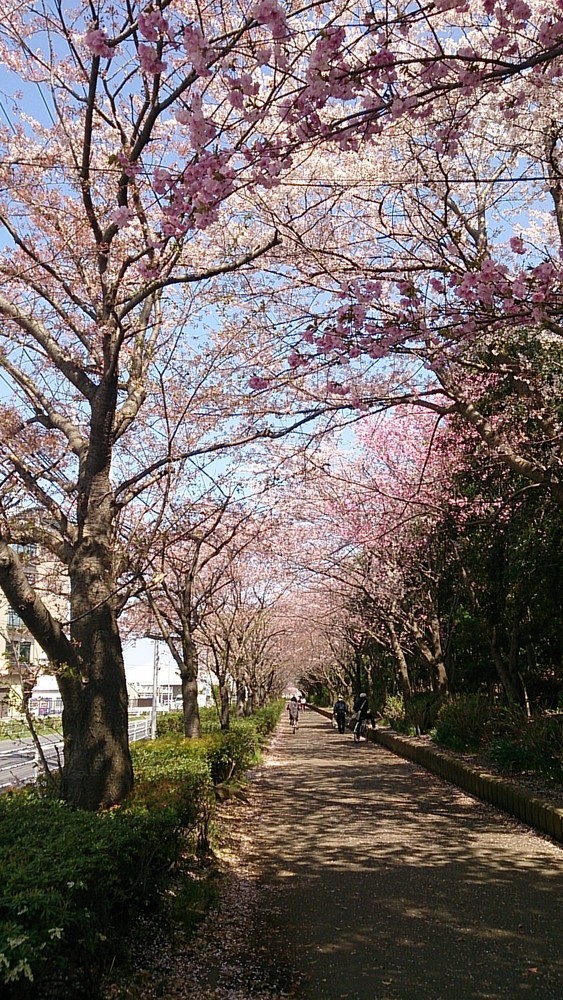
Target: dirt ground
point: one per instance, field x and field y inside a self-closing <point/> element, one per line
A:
<point x="353" y="874"/>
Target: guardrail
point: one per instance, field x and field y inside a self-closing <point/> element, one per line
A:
<point x="20" y="765"/>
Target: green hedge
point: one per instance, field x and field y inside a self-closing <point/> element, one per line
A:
<point x="263" y="720"/>
<point x="71" y="883"/>
<point x="461" y="723"/>
<point x="173" y="722"/>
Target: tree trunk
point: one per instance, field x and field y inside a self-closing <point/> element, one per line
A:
<point x="357" y="672"/>
<point x="188" y="673"/>
<point x="97" y="769"/>
<point x="224" y="719"/>
<point x="401" y="663"/>
<point x="241" y="699"/>
<point x="441" y="682"/>
<point x="250" y="701"/>
<point x="507" y="672"/>
<point x="97" y="765"/>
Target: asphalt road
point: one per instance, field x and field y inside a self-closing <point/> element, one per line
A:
<point x="379" y="881"/>
<point x="17" y="759"/>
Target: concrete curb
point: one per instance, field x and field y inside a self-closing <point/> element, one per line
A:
<point x="506" y="795"/>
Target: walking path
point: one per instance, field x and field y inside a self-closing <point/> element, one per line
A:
<point x="379" y="881"/>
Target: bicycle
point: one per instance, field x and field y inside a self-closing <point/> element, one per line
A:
<point x="358" y="726"/>
<point x="293" y="724"/>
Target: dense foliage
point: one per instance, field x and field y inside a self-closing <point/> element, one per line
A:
<point x="73" y="882"/>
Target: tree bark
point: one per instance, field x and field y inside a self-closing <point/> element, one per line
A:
<point x="224" y="707"/>
<point x="188" y="674"/>
<point x="97" y="764"/>
<point x="241" y="698"/>
<point x="97" y="770"/>
<point x="507" y="671"/>
<point x="401" y="663"/>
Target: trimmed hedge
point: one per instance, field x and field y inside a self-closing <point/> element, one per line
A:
<point x="72" y="883"/>
<point x="173" y="722"/>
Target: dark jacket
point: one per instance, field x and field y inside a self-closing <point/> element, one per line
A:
<point x="361" y="707"/>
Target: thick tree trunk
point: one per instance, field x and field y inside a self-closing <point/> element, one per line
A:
<point x="97" y="770"/>
<point x="97" y="764"/>
<point x="188" y="673"/>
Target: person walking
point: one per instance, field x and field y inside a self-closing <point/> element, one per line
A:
<point x="293" y="711"/>
<point x="363" y="714"/>
<point x="340" y="712"/>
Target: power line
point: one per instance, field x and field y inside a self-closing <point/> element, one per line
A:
<point x="325" y="182"/>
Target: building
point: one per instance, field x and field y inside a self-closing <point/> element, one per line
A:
<point x="23" y="664"/>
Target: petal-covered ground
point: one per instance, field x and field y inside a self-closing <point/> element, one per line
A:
<point x="352" y="874"/>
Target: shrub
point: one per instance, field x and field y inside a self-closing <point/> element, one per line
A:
<point x="233" y="752"/>
<point x="544" y="736"/>
<point x="209" y="720"/>
<point x="169" y="722"/>
<point x="173" y="774"/>
<point x="521" y="745"/>
<point x="461" y="724"/>
<point x="422" y="710"/>
<point x="394" y="711"/>
<point x="505" y="721"/>
<point x="71" y="882"/>
<point x="508" y="756"/>
<point x="266" y="719"/>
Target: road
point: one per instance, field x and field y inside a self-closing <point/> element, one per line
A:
<point x="17" y="757"/>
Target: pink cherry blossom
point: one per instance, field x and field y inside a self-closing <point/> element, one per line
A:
<point x="150" y="60"/>
<point x="97" y="41"/>
<point x="272" y="15"/>
<point x="122" y="216"/>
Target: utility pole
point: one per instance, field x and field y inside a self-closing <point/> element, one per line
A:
<point x="154" y="688"/>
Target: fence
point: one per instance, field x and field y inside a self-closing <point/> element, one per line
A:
<point x="19" y="762"/>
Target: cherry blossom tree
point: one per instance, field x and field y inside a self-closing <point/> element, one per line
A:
<point x="246" y="626"/>
<point x="180" y="569"/>
<point x="447" y="285"/>
<point x="96" y="278"/>
<point x="133" y="140"/>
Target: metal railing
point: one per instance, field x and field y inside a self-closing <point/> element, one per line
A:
<point x="20" y="765"/>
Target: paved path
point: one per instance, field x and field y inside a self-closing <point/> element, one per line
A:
<point x="381" y="882"/>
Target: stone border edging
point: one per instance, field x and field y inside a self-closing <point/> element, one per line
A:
<point x="511" y="798"/>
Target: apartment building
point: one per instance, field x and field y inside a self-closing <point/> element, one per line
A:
<point x="23" y="664"/>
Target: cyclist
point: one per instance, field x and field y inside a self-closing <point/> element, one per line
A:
<point x="340" y="712"/>
<point x="293" y="711"/>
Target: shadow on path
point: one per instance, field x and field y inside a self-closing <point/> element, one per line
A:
<point x="381" y="882"/>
